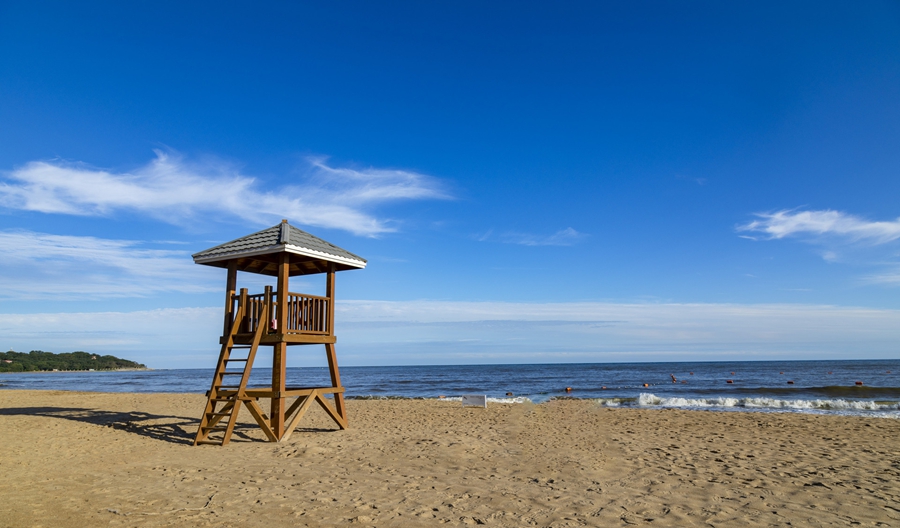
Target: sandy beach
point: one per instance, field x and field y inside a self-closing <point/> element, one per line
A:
<point x="91" y="459"/>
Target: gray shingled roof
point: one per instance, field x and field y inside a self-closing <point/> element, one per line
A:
<point x="278" y="239"/>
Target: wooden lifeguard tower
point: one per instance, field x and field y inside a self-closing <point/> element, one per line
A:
<point x="278" y="319"/>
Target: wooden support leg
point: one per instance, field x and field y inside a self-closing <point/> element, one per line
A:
<point x="278" y="404"/>
<point x="304" y="403"/>
<point x="336" y="382"/>
<point x="260" y="418"/>
<point x="320" y="399"/>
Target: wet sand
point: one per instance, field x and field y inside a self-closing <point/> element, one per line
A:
<point x="91" y="459"/>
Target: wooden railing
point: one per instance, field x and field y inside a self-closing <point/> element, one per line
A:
<point x="306" y="314"/>
<point x="254" y="309"/>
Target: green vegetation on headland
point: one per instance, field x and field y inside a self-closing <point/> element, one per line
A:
<point x="38" y="360"/>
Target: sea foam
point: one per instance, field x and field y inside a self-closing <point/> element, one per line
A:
<point x="762" y="403"/>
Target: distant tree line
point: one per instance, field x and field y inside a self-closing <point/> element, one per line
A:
<point x="37" y="360"/>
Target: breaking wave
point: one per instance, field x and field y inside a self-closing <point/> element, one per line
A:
<point x="761" y="403"/>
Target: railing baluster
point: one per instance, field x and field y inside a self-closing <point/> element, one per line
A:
<point x="306" y="314"/>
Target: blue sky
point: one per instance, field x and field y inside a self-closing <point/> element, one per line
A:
<point x="530" y="182"/>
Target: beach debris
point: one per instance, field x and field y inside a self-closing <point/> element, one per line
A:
<point x="117" y="512"/>
<point x="474" y="400"/>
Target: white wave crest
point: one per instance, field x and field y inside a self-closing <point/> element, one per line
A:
<point x="838" y="404"/>
<point x="517" y="399"/>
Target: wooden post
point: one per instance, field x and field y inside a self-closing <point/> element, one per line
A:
<point x="279" y="351"/>
<point x="329" y="292"/>
<point x="230" y="285"/>
<point x="245" y="320"/>
<point x="329" y="347"/>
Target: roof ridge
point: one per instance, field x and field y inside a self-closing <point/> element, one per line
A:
<point x="285" y="233"/>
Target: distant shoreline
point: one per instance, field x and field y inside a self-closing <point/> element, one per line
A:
<point x="129" y="369"/>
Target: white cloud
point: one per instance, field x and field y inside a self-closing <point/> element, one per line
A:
<point x="172" y="190"/>
<point x="45" y="266"/>
<point x="842" y="236"/>
<point x="890" y="277"/>
<point x="433" y="332"/>
<point x="564" y="237"/>
<point x="381" y="331"/>
<point x="788" y="223"/>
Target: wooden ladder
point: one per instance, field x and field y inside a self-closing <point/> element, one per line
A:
<point x="225" y="391"/>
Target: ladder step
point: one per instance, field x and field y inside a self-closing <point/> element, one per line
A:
<point x="211" y="428"/>
<point x="228" y="387"/>
<point x="237" y="359"/>
<point x="241" y="347"/>
<point x="227" y="373"/>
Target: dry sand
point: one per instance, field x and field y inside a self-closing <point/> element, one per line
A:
<point x="87" y="459"/>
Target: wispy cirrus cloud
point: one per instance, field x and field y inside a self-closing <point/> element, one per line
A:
<point x="564" y="237"/>
<point x="841" y="236"/>
<point x="46" y="266"/>
<point x="890" y="277"/>
<point x="173" y="190"/>
<point x="819" y="224"/>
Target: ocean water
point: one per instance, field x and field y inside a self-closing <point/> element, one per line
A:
<point x="824" y="387"/>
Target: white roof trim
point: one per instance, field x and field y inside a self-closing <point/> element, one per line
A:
<point x="290" y="248"/>
<point x="298" y="250"/>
